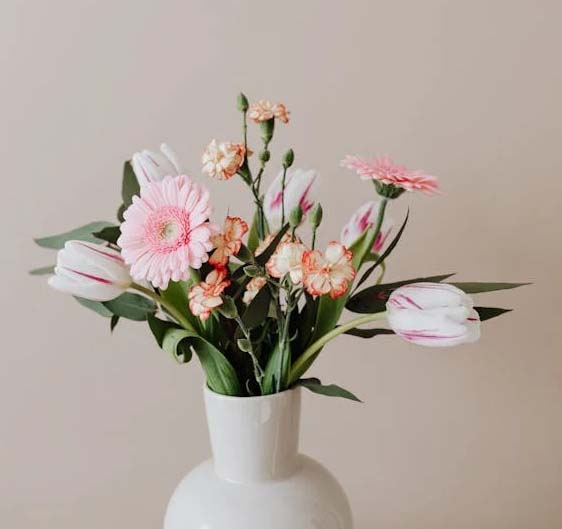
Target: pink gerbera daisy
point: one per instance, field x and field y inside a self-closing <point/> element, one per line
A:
<point x="385" y="171"/>
<point x="166" y="230"/>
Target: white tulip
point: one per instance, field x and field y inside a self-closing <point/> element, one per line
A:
<point x="363" y="219"/>
<point x="299" y="190"/>
<point x="90" y="271"/>
<point x="433" y="314"/>
<point x="154" y="166"/>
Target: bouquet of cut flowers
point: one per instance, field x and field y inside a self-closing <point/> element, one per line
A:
<point x="256" y="301"/>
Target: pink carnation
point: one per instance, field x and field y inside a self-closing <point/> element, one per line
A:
<point x="166" y="230"/>
<point x="385" y="171"/>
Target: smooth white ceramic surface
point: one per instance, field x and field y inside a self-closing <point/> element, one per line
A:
<point x="257" y="479"/>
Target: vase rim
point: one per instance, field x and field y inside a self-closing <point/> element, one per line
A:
<point x="254" y="398"/>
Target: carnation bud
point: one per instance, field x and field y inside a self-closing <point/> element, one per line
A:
<point x="267" y="129"/>
<point x="242" y="102"/>
<point x="288" y="158"/>
<point x="295" y="217"/>
<point x="315" y="215"/>
<point x="265" y="155"/>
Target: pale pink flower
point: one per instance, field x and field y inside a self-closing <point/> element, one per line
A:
<point x="363" y="219"/>
<point x="206" y="296"/>
<point x="229" y="241"/>
<point x="252" y="288"/>
<point x="385" y="171"/>
<point x="166" y="230"/>
<point x="280" y="111"/>
<point x="222" y="160"/>
<point x="300" y="189"/>
<point x="433" y="314"/>
<point x="329" y="272"/>
<point x="287" y="259"/>
<point x="264" y="110"/>
<point x="91" y="271"/>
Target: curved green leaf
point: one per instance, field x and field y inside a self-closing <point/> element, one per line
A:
<point x="331" y="390"/>
<point x="477" y="288"/>
<point x="83" y="233"/>
<point x="131" y="306"/>
<point x="487" y="313"/>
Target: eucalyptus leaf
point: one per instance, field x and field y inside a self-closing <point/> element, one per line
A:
<point x="477" y="288"/>
<point x="43" y="271"/>
<point x="83" y="233"/>
<point x="373" y="299"/>
<point x="131" y="306"/>
<point x="96" y="306"/>
<point x="487" y="313"/>
<point x="332" y="390"/>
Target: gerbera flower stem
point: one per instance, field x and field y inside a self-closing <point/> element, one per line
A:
<point x="302" y="363"/>
<point x="180" y="318"/>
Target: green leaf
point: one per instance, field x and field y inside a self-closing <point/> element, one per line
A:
<point x="332" y="390"/>
<point x="245" y="255"/>
<point x="228" y="308"/>
<point x="373" y="299"/>
<point x="96" y="306"/>
<point x="44" y="270"/>
<point x="253" y="239"/>
<point x="177" y="342"/>
<point x="368" y="333"/>
<point x="83" y="233"/>
<point x="130" y="186"/>
<point x="256" y="312"/>
<point x="176" y="295"/>
<point x="276" y="372"/>
<point x="113" y="323"/>
<point x="385" y="254"/>
<point x="109" y="234"/>
<point x="487" y="313"/>
<point x="120" y="212"/>
<point x="263" y="257"/>
<point x="131" y="306"/>
<point x="244" y="345"/>
<point x="477" y="288"/>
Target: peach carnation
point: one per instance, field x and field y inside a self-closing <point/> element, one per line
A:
<point x="252" y="288"/>
<point x="385" y="171"/>
<point x="206" y="296"/>
<point x="287" y="259"/>
<point x="264" y="110"/>
<point x="166" y="230"/>
<point x="222" y="160"/>
<point x="329" y="272"/>
<point x="229" y="241"/>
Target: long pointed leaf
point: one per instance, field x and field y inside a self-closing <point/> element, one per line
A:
<point x="487" y="313"/>
<point x="83" y="233"/>
<point x="332" y="390"/>
<point x="477" y="288"/>
<point x="44" y="270"/>
<point x="385" y="254"/>
<point x="368" y="333"/>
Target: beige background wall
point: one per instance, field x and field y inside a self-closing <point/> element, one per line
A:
<point x="96" y="430"/>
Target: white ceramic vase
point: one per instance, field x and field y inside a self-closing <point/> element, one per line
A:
<point x="257" y="479"/>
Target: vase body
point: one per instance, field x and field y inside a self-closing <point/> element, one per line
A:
<point x="257" y="479"/>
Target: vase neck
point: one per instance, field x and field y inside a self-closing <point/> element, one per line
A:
<point x="254" y="438"/>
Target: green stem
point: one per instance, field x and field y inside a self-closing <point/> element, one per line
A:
<point x="283" y="196"/>
<point x="258" y="371"/>
<point x="180" y="318"/>
<point x="300" y="365"/>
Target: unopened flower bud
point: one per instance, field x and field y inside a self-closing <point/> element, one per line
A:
<point x="267" y="130"/>
<point x="315" y="215"/>
<point x="265" y="155"/>
<point x="288" y="158"/>
<point x="242" y="102"/>
<point x="295" y="217"/>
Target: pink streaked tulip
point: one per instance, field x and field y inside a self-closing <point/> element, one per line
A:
<point x="330" y="272"/>
<point x="433" y="315"/>
<point x="166" y="231"/>
<point x="206" y="296"/>
<point x="90" y="271"/>
<point x="300" y="187"/>
<point x="154" y="166"/>
<point x="363" y="219"/>
<point x="385" y="171"/>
